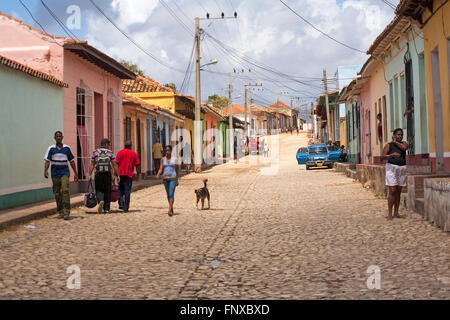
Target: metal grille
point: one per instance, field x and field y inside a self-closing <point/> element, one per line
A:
<point x="85" y="141"/>
<point x="114" y="129"/>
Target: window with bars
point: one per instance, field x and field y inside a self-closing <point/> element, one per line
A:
<point x="127" y="128"/>
<point x="114" y="120"/>
<point x="84" y="129"/>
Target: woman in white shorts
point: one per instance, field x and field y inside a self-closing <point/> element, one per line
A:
<point x="395" y="153"/>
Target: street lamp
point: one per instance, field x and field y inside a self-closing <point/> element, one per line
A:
<point x="214" y="61"/>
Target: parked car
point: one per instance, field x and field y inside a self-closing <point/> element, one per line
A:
<point x="302" y="154"/>
<point x="315" y="155"/>
<point x="334" y="152"/>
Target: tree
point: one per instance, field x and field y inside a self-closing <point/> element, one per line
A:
<point x="218" y="101"/>
<point x="171" y="86"/>
<point x="132" y="67"/>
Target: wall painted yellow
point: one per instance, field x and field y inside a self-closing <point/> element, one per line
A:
<point x="378" y="90"/>
<point x="435" y="33"/>
<point x="343" y="132"/>
<point x="164" y="100"/>
<point x="134" y="114"/>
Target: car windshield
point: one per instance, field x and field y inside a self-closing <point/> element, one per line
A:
<point x="333" y="148"/>
<point x="317" y="150"/>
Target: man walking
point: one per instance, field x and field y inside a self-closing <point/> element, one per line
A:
<point x="57" y="155"/>
<point x="126" y="159"/>
<point x="157" y="154"/>
<point x="103" y="162"/>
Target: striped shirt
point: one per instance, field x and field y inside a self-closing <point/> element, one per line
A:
<point x="58" y="159"/>
<point x="96" y="153"/>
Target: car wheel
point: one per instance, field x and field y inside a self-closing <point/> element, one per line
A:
<point x="307" y="168"/>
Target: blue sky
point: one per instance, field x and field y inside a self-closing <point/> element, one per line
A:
<point x="265" y="31"/>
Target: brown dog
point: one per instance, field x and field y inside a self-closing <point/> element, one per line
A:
<point x="202" y="194"/>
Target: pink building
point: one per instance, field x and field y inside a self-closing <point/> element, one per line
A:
<point x="92" y="103"/>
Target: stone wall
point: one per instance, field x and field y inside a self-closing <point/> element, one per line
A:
<point x="437" y="202"/>
<point x="374" y="177"/>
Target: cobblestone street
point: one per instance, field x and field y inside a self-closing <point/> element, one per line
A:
<point x="294" y="235"/>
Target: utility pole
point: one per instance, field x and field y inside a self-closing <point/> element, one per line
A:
<point x="197" y="124"/>
<point x="245" y="107"/>
<point x="328" y="107"/>
<point x="231" y="118"/>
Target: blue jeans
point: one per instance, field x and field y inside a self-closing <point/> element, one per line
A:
<point x="170" y="185"/>
<point x="124" y="192"/>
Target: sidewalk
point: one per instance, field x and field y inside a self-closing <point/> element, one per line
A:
<point x="43" y="209"/>
<point x="38" y="210"/>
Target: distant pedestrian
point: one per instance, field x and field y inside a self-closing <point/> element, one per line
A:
<point x="380" y="128"/>
<point x="266" y="149"/>
<point x="57" y="155"/>
<point x="343" y="154"/>
<point x="395" y="153"/>
<point x="157" y="154"/>
<point x="297" y="130"/>
<point x="169" y="170"/>
<point x="126" y="160"/>
<point x="105" y="171"/>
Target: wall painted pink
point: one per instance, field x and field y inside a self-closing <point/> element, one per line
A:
<point x="46" y="54"/>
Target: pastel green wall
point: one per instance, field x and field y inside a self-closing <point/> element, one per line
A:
<point x="394" y="66"/>
<point x="31" y="110"/>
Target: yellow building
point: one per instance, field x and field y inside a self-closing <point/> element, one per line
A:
<point x="135" y="115"/>
<point x="343" y="131"/>
<point x="433" y="18"/>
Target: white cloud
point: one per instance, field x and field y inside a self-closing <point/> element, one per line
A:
<point x="133" y="11"/>
<point x="265" y="30"/>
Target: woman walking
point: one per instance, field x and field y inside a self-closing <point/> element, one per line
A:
<point x="169" y="170"/>
<point x="395" y="153"/>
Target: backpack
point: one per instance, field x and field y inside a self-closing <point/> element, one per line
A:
<point x="103" y="161"/>
<point x="90" y="200"/>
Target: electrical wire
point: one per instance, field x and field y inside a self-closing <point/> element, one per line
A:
<point x="390" y="5"/>
<point x="32" y="17"/>
<point x="174" y="15"/>
<point x="317" y="29"/>
<point x="134" y="42"/>
<point x="240" y="56"/>
<point x="191" y="59"/>
<point x="61" y="24"/>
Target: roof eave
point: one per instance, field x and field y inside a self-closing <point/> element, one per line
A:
<point x="100" y="59"/>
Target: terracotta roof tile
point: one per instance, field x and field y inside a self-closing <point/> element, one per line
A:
<point x="35" y="73"/>
<point x="144" y="84"/>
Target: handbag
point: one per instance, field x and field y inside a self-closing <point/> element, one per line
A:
<point x="90" y="200"/>
<point x="114" y="192"/>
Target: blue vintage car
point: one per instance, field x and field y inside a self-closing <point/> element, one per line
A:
<point x="317" y="155"/>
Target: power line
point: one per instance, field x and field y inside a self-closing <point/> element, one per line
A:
<point x="65" y="29"/>
<point x="32" y="17"/>
<point x="240" y="56"/>
<point x="174" y="15"/>
<point x="317" y="29"/>
<point x="393" y="7"/>
<point x="134" y="42"/>
<point x="184" y="84"/>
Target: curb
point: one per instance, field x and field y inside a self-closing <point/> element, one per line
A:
<point x="20" y="219"/>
